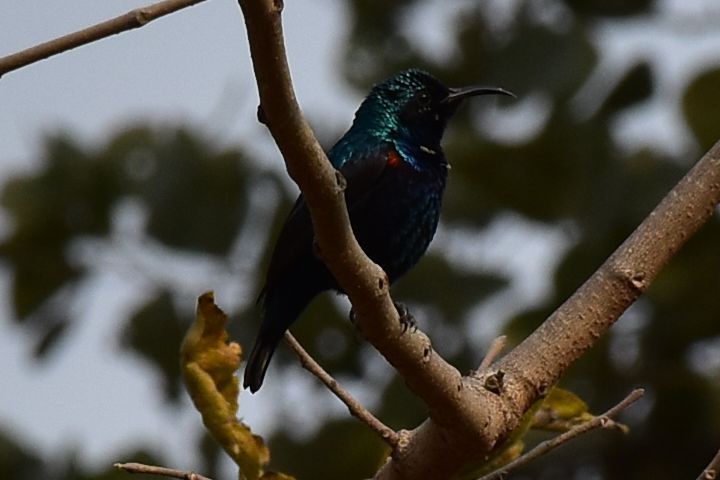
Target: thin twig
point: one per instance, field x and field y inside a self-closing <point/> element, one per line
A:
<point x="161" y="471"/>
<point x="495" y="348"/>
<point x="132" y="19"/>
<point x="602" y="421"/>
<point x="712" y="470"/>
<point x="354" y="406"/>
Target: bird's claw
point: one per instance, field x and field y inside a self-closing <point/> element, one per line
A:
<point x="407" y="321"/>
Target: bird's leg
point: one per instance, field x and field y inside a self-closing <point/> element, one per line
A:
<point x="407" y="321"/>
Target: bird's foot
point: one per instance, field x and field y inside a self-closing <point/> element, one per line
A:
<point x="407" y="321"/>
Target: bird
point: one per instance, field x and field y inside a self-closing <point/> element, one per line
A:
<point x="395" y="172"/>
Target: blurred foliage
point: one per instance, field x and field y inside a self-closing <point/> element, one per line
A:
<point x="155" y="333"/>
<point x="598" y="8"/>
<point x="700" y="105"/>
<point x="19" y="462"/>
<point x="186" y="187"/>
<point x="570" y="171"/>
<point x="344" y="448"/>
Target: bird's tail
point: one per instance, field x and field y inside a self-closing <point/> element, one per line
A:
<point x="282" y="305"/>
<point x="258" y="362"/>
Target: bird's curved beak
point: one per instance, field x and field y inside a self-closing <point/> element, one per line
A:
<point x="457" y="95"/>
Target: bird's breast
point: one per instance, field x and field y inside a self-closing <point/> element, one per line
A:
<point x="395" y="224"/>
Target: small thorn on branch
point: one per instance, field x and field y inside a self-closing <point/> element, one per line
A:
<point x="712" y="471"/>
<point x="261" y="117"/>
<point x="142" y="16"/>
<point x="494" y="382"/>
<point x="341" y="181"/>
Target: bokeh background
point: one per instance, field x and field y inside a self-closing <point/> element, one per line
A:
<point x="134" y="176"/>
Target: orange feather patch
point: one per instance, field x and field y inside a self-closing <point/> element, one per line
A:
<point x="393" y="159"/>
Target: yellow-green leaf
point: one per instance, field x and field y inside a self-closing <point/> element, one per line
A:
<point x="209" y="364"/>
<point x="560" y="411"/>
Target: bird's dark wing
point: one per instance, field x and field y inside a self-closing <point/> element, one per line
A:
<point x="296" y="237"/>
<point x="294" y="241"/>
<point x="362" y="173"/>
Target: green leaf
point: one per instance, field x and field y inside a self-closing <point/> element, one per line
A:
<point x="560" y="411"/>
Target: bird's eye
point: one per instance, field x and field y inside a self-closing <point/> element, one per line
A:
<point x="424" y="98"/>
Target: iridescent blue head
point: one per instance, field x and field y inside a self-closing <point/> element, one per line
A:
<point x="412" y="106"/>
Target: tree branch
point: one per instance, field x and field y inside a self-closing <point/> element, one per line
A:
<point x="602" y="421"/>
<point x="161" y="471"/>
<point x="539" y="361"/>
<point x="132" y="19"/>
<point x="712" y="471"/>
<point x="356" y="409"/>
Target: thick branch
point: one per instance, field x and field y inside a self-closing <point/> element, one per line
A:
<point x="539" y="361"/>
<point x="536" y="364"/>
<point x="427" y="374"/>
<point x="132" y="19"/>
